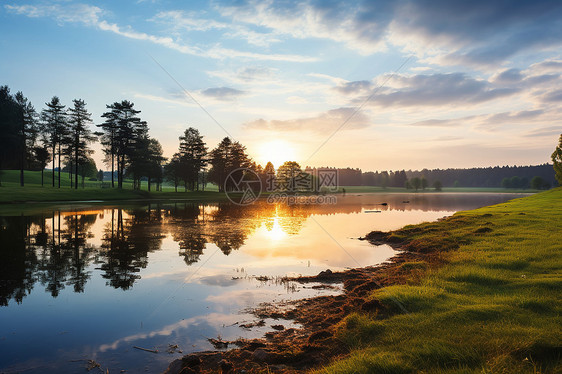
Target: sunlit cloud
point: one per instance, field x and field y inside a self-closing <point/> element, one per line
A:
<point x="330" y="120"/>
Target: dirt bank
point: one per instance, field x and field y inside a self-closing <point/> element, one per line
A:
<point x="292" y="350"/>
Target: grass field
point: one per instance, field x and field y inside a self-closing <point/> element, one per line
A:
<point x="493" y="305"/>
<point x="12" y="192"/>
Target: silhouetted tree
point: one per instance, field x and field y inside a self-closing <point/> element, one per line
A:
<point x="506" y="182"/>
<point x="80" y="135"/>
<point x="122" y="130"/>
<point x="227" y="158"/>
<point x="28" y="131"/>
<point x="538" y="183"/>
<point x="42" y="156"/>
<point x="172" y="170"/>
<point x="156" y="159"/>
<point x="557" y="161"/>
<point x="286" y="176"/>
<point x="108" y="137"/>
<point x="192" y="154"/>
<point x="437" y="185"/>
<point x="416" y="183"/>
<point x="268" y="177"/>
<point x="54" y="126"/>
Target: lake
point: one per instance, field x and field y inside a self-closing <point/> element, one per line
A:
<point x="90" y="281"/>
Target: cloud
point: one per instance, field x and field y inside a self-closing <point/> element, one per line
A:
<point x="547" y="66"/>
<point x="222" y="93"/>
<point x="553" y="96"/>
<point x="90" y="16"/>
<point x="550" y="131"/>
<point x="479" y="32"/>
<point x="436" y="90"/>
<point x="182" y="99"/>
<point x="339" y="21"/>
<point x="182" y="21"/>
<point x="488" y="121"/>
<point x="509" y="76"/>
<point x="71" y="13"/>
<point x="327" y="121"/>
<point x="355" y="87"/>
<point x="438" y="123"/>
<point x="474" y="33"/>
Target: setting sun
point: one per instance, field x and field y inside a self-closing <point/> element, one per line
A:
<point x="276" y="151"/>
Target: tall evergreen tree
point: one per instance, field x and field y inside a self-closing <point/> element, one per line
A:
<point x="121" y="131"/>
<point x="155" y="161"/>
<point x="28" y="131"/>
<point x="219" y="163"/>
<point x="42" y="156"/>
<point x="172" y="170"/>
<point x="108" y="137"/>
<point x="193" y="152"/>
<point x="80" y="135"/>
<point x="130" y="131"/>
<point x="557" y="161"/>
<point x="54" y="126"/>
<point x="9" y="118"/>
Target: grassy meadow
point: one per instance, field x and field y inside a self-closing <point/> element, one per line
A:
<point x="33" y="191"/>
<point x="493" y="304"/>
<point x="12" y="192"/>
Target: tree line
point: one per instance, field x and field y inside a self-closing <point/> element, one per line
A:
<point x="61" y="135"/>
<point x="536" y="177"/>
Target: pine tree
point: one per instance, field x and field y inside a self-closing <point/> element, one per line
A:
<point x="219" y="163"/>
<point x="122" y="129"/>
<point x="54" y="127"/>
<point x="172" y="170"/>
<point x="28" y="131"/>
<point x="155" y="160"/>
<point x="557" y="161"/>
<point x="193" y="152"/>
<point x="108" y="137"/>
<point x="80" y="135"/>
<point x="42" y="156"/>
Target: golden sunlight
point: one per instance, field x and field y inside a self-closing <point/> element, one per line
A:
<point x="277" y="151"/>
<point x="275" y="231"/>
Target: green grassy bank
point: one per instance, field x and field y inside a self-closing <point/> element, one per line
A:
<point x="12" y="192"/>
<point x="42" y="194"/>
<point x="488" y="300"/>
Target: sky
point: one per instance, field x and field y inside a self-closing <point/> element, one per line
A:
<point x="376" y="85"/>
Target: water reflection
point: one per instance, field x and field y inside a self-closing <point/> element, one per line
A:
<point x="57" y="249"/>
<point x="89" y="282"/>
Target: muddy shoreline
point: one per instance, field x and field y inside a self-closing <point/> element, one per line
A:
<point x="316" y="343"/>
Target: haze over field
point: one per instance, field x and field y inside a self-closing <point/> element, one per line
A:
<point x="417" y="84"/>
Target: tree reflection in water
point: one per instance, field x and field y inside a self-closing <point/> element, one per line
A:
<point x="55" y="249"/>
<point x="60" y="248"/>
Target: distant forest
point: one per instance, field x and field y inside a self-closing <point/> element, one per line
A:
<point x="497" y="176"/>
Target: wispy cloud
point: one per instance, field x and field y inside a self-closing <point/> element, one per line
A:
<point x="327" y="121"/>
<point x="222" y="93"/>
<point x="90" y="16"/>
<point x="437" y="90"/>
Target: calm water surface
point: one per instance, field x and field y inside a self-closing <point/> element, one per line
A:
<point x="90" y="282"/>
